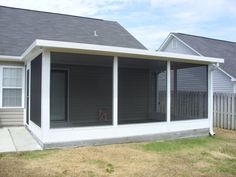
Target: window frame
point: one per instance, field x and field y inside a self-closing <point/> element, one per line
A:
<point x="2" y="67"/>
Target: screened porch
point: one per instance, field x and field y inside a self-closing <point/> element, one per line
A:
<point x="81" y="90"/>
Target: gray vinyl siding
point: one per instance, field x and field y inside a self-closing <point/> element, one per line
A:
<point x="174" y="46"/>
<point x="11" y="117"/>
<point x="196" y="75"/>
<point x="133" y="94"/>
<point x="90" y="90"/>
<point x="222" y="82"/>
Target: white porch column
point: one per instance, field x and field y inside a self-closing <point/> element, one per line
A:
<point x="210" y="98"/>
<point x="115" y="91"/>
<point x="45" y="93"/>
<point x="168" y="102"/>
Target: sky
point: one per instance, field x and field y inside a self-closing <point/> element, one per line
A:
<point x="150" y="21"/>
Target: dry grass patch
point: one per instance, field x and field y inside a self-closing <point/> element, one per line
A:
<point x="187" y="157"/>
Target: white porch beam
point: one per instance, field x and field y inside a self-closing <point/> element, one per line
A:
<point x="45" y="93"/>
<point x="210" y="98"/>
<point x="115" y="91"/>
<point x="168" y="102"/>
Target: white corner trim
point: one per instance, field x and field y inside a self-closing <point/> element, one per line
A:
<point x="115" y="91"/>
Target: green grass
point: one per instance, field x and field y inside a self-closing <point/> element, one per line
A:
<point x="2" y="155"/>
<point x="173" y="146"/>
<point x="34" y="154"/>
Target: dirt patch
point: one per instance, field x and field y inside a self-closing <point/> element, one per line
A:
<point x="206" y="157"/>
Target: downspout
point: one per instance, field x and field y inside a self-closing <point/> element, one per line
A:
<point x="211" y="68"/>
<point x="234" y="84"/>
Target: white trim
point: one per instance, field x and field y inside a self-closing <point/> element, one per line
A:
<point x="115" y="91"/>
<point x="210" y="99"/>
<point x="1" y="84"/>
<point x="168" y="102"/>
<point x="170" y="37"/>
<point x="60" y="46"/>
<point x="122" y="52"/>
<point x="227" y="74"/>
<point x="4" y="87"/>
<point x="36" y="48"/>
<point x="121" y="131"/>
<point x="234" y="86"/>
<point x="35" y="129"/>
<point x="10" y="58"/>
<point x="45" y="92"/>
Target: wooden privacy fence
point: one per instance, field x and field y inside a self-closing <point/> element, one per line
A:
<point x="195" y="105"/>
<point x="224" y="110"/>
<point x="186" y="104"/>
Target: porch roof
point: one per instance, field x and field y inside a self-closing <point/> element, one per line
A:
<point x="58" y="46"/>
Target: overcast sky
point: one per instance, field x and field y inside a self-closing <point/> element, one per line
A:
<point x="150" y="21"/>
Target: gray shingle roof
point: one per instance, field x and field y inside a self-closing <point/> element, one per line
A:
<point x="20" y="27"/>
<point x="213" y="48"/>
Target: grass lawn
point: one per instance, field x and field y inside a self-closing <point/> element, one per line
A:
<point x="209" y="156"/>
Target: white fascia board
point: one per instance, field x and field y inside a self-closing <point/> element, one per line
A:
<point x="122" y="52"/>
<point x="10" y="58"/>
<point x="227" y="74"/>
<point x="60" y="46"/>
<point x="165" y="43"/>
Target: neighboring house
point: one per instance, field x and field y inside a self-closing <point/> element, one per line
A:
<point x="224" y="79"/>
<point x="75" y="80"/>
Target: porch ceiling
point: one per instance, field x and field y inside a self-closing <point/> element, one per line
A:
<point x="59" y="46"/>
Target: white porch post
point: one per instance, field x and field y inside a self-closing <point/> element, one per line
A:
<point x="210" y="98"/>
<point x="168" y="102"/>
<point x="115" y="91"/>
<point x="45" y="93"/>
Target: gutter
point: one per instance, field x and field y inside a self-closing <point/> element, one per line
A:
<point x="10" y="58"/>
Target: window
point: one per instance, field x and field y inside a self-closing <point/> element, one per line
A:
<point x="12" y="87"/>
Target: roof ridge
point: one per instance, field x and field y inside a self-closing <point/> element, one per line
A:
<point x="204" y="37"/>
<point x="54" y="13"/>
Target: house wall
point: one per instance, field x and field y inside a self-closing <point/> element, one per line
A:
<point x="222" y="82"/>
<point x="11" y="116"/>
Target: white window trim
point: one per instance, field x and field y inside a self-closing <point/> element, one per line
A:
<point x="2" y="87"/>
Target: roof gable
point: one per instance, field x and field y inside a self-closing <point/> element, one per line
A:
<point x="213" y="48"/>
<point x="174" y="45"/>
<point x="20" y="27"/>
